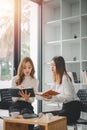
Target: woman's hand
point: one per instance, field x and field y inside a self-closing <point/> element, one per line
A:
<point x="24" y="95"/>
<point x="47" y="96"/>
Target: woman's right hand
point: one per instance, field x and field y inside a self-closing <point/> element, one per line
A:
<point x="24" y="95"/>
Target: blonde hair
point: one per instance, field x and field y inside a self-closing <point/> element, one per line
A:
<point x="20" y="74"/>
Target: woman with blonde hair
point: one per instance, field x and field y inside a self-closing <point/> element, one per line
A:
<point x="24" y="79"/>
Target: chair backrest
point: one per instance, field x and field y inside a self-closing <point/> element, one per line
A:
<point x="82" y="94"/>
<point x="5" y="99"/>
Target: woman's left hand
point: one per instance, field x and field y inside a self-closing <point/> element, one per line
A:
<point x="25" y="95"/>
<point x="47" y="96"/>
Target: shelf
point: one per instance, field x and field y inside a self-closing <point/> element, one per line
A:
<point x="65" y="34"/>
<point x="70" y="28"/>
<point x="85" y="85"/>
<point x="84" y="26"/>
<point x="70" y="8"/>
<point x="52" y="3"/>
<point x="55" y="23"/>
<point x="84" y="61"/>
<point x="83" y="6"/>
<point x="52" y="31"/>
<point x="77" y="84"/>
<point x="72" y="62"/>
<point x="83" y="38"/>
<point x="71" y="54"/>
<point x="54" y="43"/>
<point x="52" y="34"/>
<point x="84" y="49"/>
<point x="51" y="51"/>
<point x="52" y="10"/>
<point x="74" y="68"/>
<point x="73" y="19"/>
<point x="71" y="41"/>
<point x="48" y="77"/>
<point x="84" y="14"/>
<point x="84" y="65"/>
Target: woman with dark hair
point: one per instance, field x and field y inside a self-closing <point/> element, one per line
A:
<point x="63" y="84"/>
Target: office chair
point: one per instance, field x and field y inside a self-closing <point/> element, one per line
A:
<point x="82" y="94"/>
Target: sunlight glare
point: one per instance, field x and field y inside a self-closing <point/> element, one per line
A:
<point x="6" y="7"/>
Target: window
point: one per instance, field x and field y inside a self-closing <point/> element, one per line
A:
<point x="9" y="34"/>
<point x="6" y="39"/>
<point x="29" y="30"/>
<point x="19" y="36"/>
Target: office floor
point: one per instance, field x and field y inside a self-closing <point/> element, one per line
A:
<point x="80" y="127"/>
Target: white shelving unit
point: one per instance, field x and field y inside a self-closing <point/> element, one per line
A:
<point x="70" y="8"/>
<point x="64" y="33"/>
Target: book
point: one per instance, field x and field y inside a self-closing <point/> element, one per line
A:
<point x="84" y="76"/>
<point x="15" y="91"/>
<point x="75" y="77"/>
<point x="49" y="92"/>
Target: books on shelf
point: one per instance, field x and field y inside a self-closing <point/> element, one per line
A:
<point x="84" y="76"/>
<point x="73" y="76"/>
<point x="15" y="91"/>
<point x="48" y="92"/>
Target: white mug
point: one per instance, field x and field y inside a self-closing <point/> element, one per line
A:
<point x="48" y="116"/>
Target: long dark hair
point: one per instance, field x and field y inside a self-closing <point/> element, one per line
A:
<point x="20" y="74"/>
<point x="60" y="67"/>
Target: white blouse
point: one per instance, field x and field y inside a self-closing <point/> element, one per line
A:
<point x="28" y="82"/>
<point x="66" y="92"/>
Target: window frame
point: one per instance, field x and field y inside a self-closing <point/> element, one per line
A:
<point x="17" y="42"/>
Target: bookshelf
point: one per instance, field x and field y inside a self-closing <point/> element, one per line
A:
<point x="64" y="33"/>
